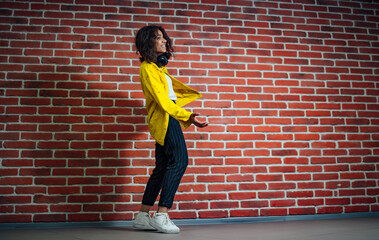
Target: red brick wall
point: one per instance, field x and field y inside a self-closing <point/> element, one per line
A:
<point x="290" y="90"/>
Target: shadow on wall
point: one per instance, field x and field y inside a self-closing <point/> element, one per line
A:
<point x="69" y="142"/>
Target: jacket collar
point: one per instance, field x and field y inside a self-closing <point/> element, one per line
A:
<point x="163" y="69"/>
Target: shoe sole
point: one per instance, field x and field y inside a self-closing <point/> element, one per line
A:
<point x="162" y="230"/>
<point x="143" y="227"/>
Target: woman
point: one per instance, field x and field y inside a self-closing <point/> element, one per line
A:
<point x="165" y="97"/>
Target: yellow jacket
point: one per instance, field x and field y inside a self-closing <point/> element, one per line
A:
<point x="158" y="105"/>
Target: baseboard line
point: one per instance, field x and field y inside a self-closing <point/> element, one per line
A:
<point x="182" y="222"/>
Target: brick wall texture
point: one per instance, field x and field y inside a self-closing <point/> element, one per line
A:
<point x="290" y="89"/>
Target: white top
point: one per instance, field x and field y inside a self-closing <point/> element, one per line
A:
<point x="171" y="93"/>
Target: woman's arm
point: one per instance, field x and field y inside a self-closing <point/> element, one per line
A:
<point x="152" y="83"/>
<point x="196" y="122"/>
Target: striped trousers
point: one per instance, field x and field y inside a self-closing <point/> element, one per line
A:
<point x="171" y="161"/>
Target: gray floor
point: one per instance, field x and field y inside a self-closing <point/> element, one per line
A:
<point x="346" y="229"/>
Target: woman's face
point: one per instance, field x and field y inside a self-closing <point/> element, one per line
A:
<point x="160" y="43"/>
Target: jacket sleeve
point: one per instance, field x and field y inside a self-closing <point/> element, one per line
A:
<point x="153" y="85"/>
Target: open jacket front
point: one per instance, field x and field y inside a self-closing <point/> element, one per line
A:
<point x="159" y="106"/>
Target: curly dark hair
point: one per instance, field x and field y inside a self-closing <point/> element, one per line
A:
<point x="145" y="43"/>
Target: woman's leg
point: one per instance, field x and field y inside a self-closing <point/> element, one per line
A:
<point x="171" y="163"/>
<point x="154" y="185"/>
<point x="176" y="157"/>
<point x="175" y="150"/>
<point x="145" y="208"/>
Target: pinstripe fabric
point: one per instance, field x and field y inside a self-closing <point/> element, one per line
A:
<point x="171" y="161"/>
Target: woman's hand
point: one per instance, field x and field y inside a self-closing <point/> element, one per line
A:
<point x="196" y="122"/>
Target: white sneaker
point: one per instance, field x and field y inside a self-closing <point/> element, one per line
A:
<point x="142" y="221"/>
<point x="162" y="222"/>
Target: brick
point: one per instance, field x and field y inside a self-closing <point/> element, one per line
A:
<point x="254" y="169"/>
<point x="282" y="203"/>
<point x="49" y="181"/>
<point x="326" y="210"/>
<point x="9" y="153"/>
<point x="280" y="186"/>
<point x="16" y="181"/>
<point x="17" y="162"/>
<point x="244" y="213"/>
<point x="363" y="183"/>
<point x="212" y="214"/>
<point x="323" y="193"/>
<point x="15" y="218"/>
<point x="31" y="209"/>
<point x="116" y="180"/>
<point x="273" y="212"/>
<point x="358" y="208"/>
<point x="221" y="187"/>
<point x="297" y="177"/>
<point x="300" y="211"/>
<point x="82" y="180"/>
<point x="97" y="207"/>
<point x="192" y="188"/>
<point x="229" y="204"/>
<point x="66" y="208"/>
<point x="299" y="194"/>
<point x="30" y="190"/>
<point x="254" y="204"/>
<point x="337" y="201"/>
<point x="310" y="202"/>
<point x="15" y="199"/>
<point x="82" y="198"/>
<point x="208" y="178"/>
<point x="7" y="209"/>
